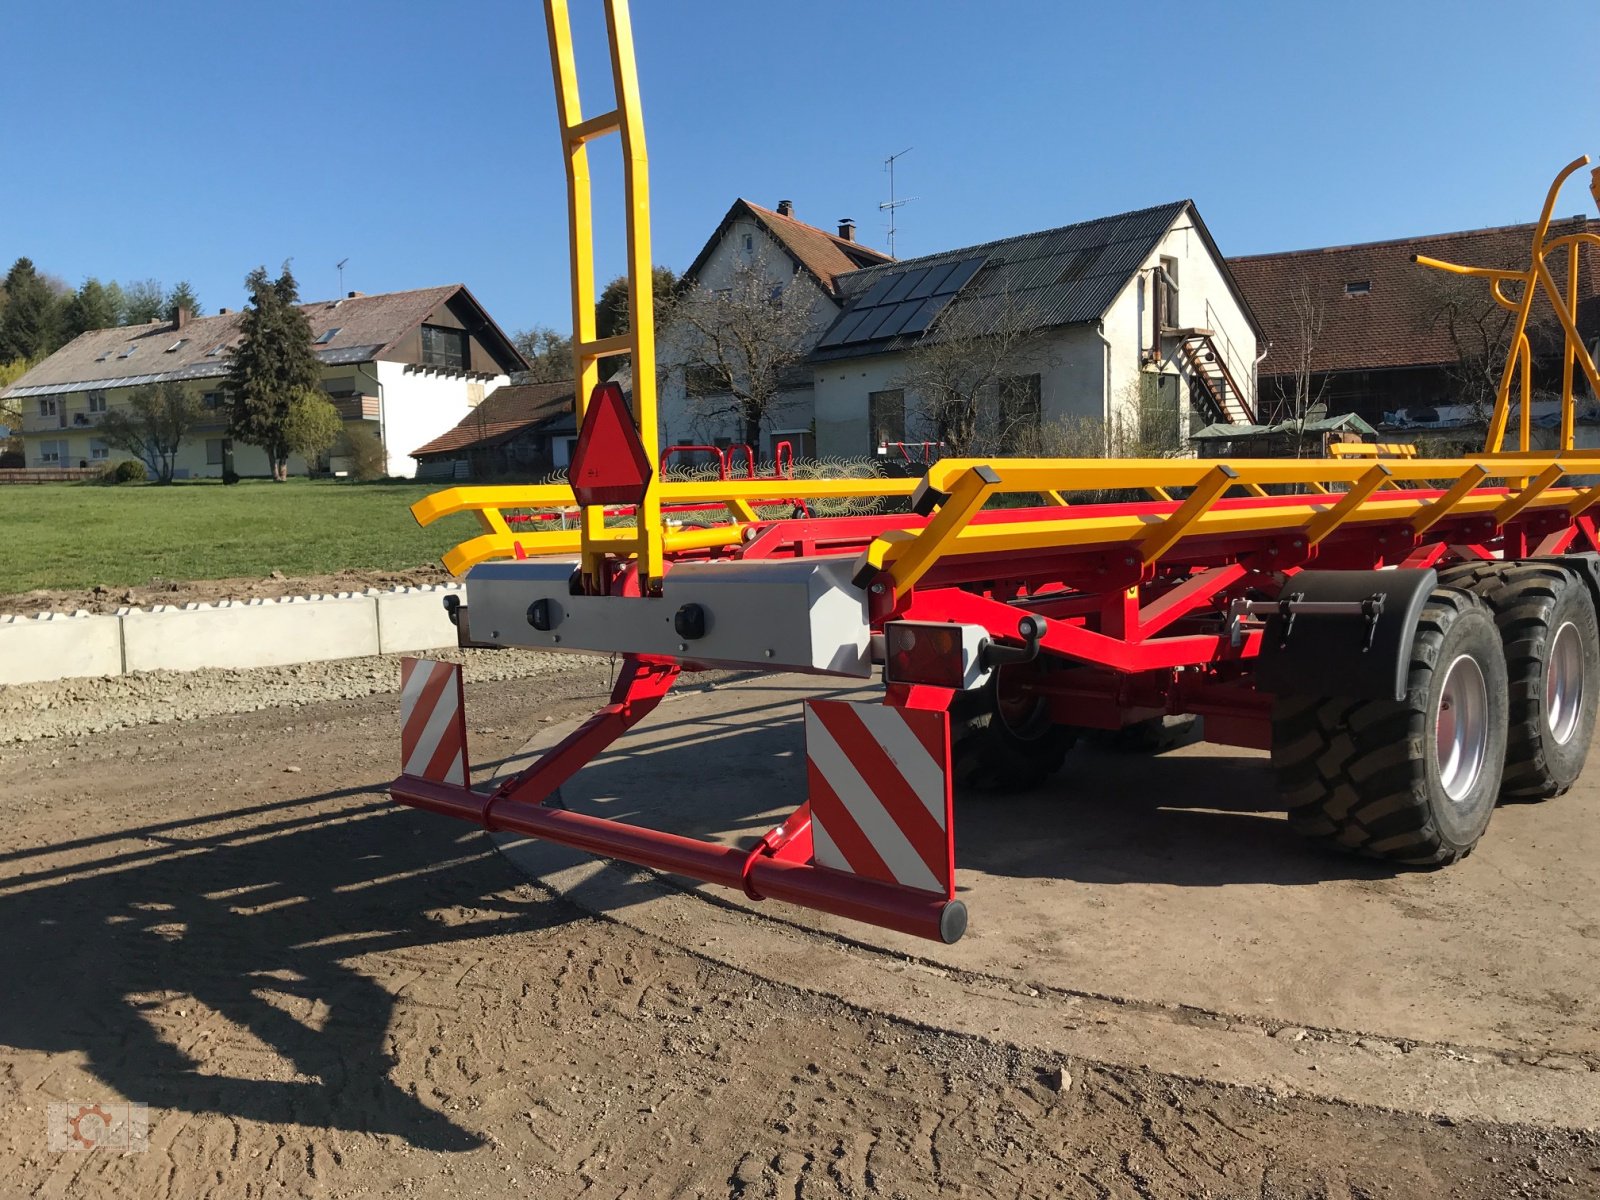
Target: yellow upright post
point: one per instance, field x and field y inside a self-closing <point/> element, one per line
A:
<point x="645" y="539"/>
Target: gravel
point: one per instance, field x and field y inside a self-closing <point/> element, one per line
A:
<point x="74" y="707"/>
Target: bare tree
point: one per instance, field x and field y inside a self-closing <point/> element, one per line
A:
<point x="153" y="425"/>
<point x="1480" y="338"/>
<point x="740" y="346"/>
<point x="548" y="352"/>
<point x="961" y="374"/>
<point x="1300" y="389"/>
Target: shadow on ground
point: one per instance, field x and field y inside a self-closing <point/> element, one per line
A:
<point x="1198" y="816"/>
<point x="251" y="914"/>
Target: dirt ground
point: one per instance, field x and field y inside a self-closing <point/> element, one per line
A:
<point x="207" y="591"/>
<point x="320" y="994"/>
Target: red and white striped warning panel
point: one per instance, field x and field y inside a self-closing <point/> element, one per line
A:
<point x="433" y="721"/>
<point x="880" y="793"/>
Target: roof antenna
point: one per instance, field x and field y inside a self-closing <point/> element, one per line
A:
<point x="340" y="265"/>
<point x="891" y="204"/>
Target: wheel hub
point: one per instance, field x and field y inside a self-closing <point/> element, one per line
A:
<point x="1461" y="727"/>
<point x="1563" y="683"/>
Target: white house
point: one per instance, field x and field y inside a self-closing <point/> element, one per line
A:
<point x="406" y="366"/>
<point x="1137" y="326"/>
<point x="803" y="265"/>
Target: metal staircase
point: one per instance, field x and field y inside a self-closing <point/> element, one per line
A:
<point x="1215" y="386"/>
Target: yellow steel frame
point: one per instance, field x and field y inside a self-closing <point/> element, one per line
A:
<point x="645" y="538"/>
<point x="1537" y="277"/>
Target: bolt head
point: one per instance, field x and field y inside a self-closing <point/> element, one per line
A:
<point x="877" y="589"/>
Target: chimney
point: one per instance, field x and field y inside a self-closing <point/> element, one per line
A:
<point x="847" y="228"/>
<point x="182" y="317"/>
<point x="222" y="312"/>
<point x="354" y="295"/>
<point x="786" y="208"/>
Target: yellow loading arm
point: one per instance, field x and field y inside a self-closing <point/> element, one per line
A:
<point x="1537" y="277"/>
<point x="644" y="539"/>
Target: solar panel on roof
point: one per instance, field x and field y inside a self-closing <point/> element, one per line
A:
<point x="868" y="329"/>
<point x="927" y="310"/>
<point x="930" y="281"/>
<point x="963" y="271"/>
<point x="876" y="291"/>
<point x="903" y="286"/>
<point x="844" y="327"/>
<point x="899" y="316"/>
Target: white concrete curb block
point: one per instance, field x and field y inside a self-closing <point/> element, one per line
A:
<point x="411" y="619"/>
<point x="228" y="634"/>
<point x="59" y="646"/>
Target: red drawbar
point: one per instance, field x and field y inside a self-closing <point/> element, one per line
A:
<point x="880" y="793"/>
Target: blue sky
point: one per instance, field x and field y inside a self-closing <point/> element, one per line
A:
<point x="194" y="140"/>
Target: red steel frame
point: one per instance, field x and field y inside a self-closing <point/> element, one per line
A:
<point x="1141" y="639"/>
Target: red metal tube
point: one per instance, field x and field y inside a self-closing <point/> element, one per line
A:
<point x="920" y="914"/>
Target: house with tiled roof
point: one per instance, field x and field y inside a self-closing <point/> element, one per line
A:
<point x="1132" y="321"/>
<point x="523" y="431"/>
<point x="401" y="366"/>
<point x="1365" y="329"/>
<point x="800" y="264"/>
<point x="1127" y="327"/>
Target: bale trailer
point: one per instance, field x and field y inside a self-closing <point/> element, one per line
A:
<point x="1412" y="639"/>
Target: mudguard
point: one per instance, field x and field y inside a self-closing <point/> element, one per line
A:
<point x="1345" y="655"/>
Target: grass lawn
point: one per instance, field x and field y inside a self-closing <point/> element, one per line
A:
<point x="79" y="535"/>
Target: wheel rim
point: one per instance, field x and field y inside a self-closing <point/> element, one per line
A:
<point x="1461" y="727"/>
<point x="1563" y="683"/>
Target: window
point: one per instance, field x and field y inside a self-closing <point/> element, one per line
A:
<point x="702" y="380"/>
<point x="1021" y="404"/>
<point x="98" y="450"/>
<point x="445" y="348"/>
<point x="51" y="453"/>
<point x="1358" y="287"/>
<point x="104" y="354"/>
<point x="97" y="402"/>
<point x="749" y="244"/>
<point x="175" y="345"/>
<point x="329" y="334"/>
<point x="217" y="450"/>
<point x="886" y="417"/>
<point x="217" y="350"/>
<point x="212" y="400"/>
<point x="1167" y="293"/>
<point x="49" y="406"/>
<point x="128" y="353"/>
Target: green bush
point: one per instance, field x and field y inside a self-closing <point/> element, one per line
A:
<point x="129" y="470"/>
<point x="368" y="461"/>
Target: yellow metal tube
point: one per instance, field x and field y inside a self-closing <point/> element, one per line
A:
<point x="1326" y="521"/>
<point x="967" y="496"/>
<point x="1514" y="504"/>
<point x="1431" y="514"/>
<point x="1207" y="492"/>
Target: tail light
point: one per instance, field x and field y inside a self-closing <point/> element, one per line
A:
<point x="936" y="653"/>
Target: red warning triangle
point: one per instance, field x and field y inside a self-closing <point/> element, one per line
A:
<point x="609" y="463"/>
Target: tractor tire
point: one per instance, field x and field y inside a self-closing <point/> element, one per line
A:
<point x="1004" y="747"/>
<point x="1411" y="781"/>
<point x="1547" y="624"/>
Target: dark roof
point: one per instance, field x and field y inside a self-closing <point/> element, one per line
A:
<point x="825" y="255"/>
<point x="1058" y="277"/>
<point x="366" y="327"/>
<point x="507" y="413"/>
<point x="1396" y="321"/>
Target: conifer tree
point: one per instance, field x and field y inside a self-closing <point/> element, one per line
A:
<point x="272" y="366"/>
